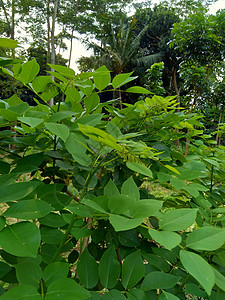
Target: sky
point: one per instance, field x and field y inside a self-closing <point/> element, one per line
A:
<point x="79" y="49"/>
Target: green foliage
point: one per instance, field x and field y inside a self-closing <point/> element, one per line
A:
<point x="77" y="222"/>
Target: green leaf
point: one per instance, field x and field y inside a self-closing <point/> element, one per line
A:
<point x="55" y="271"/>
<point x="32" y="122"/>
<point x="132" y="270"/>
<point x="29" y="273"/>
<point x="53" y="220"/>
<point x="28" y="209"/>
<point x="87" y="269"/>
<point x="61" y="69"/>
<point x="130" y="188"/>
<point x="80" y="233"/>
<point x="2" y="223"/>
<point x="91" y="102"/>
<point x="177" y="183"/>
<point x="60" y="130"/>
<point x="72" y="96"/>
<point x="109" y="268"/>
<point x="178" y="219"/>
<point x="122" y="79"/>
<point x="159" y="280"/>
<point x="111" y="189"/>
<point x="102" y="78"/>
<point x="220" y="279"/>
<point x="121" y="223"/>
<point x="60" y="115"/>
<point x="142" y="169"/>
<point x="8" y="43"/>
<point x="96" y="206"/>
<point x="29" y="71"/>
<point x="4" y="268"/>
<point x="136" y="294"/>
<point x="119" y="204"/>
<point x="17" y="191"/>
<point x="51" y="235"/>
<point x="75" y="144"/>
<point x="167" y="296"/>
<point x="206" y="238"/>
<point x="21" y="239"/>
<point x="167" y="239"/>
<point x="80" y="210"/>
<point x="198" y="268"/>
<point x="145" y="208"/>
<point x="138" y="90"/>
<point x="40" y="83"/>
<point x="172" y="169"/>
<point x="66" y="289"/>
<point x="22" y="292"/>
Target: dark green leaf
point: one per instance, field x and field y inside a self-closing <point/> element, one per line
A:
<point x="55" y="271"/>
<point x="159" y="280"/>
<point x="22" y="292"/>
<point x="29" y="273"/>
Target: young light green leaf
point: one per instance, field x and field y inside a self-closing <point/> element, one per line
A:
<point x="138" y="90"/>
<point x="172" y="169"/>
<point x="206" y="238"/>
<point x="40" y="83"/>
<point x="158" y="280"/>
<point x="29" y="71"/>
<point x="8" y="43"/>
<point x="198" y="268"/>
<point x="139" y="168"/>
<point x="122" y="79"/>
<point x="109" y="268"/>
<point x="87" y="269"/>
<point x="21" y="239"/>
<point x="91" y="102"/>
<point x="121" y="223"/>
<point x="133" y="270"/>
<point x="61" y="69"/>
<point x="60" y="130"/>
<point x="102" y="78"/>
<point x="178" y="219"/>
<point x="167" y="239"/>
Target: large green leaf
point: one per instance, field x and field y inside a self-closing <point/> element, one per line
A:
<point x="21" y="239"/>
<point x="51" y="235"/>
<point x="102" y="78"/>
<point x="121" y="223"/>
<point x="66" y="289"/>
<point x="22" y="292"/>
<point x="119" y="204"/>
<point x="132" y="270"/>
<point x="8" y="43"/>
<point x="111" y="189"/>
<point x="158" y="280"/>
<point x="139" y="168"/>
<point x="109" y="268"/>
<point x="91" y="102"/>
<point x="178" y="219"/>
<point x="167" y="296"/>
<point x="130" y="188"/>
<point x="60" y="130"/>
<point x="220" y="279"/>
<point x="17" y="191"/>
<point x="145" y="208"/>
<point x="122" y="79"/>
<point x="40" y="83"/>
<point x="87" y="269"/>
<point x="2" y="223"/>
<point x="32" y="122"/>
<point x="62" y="69"/>
<point x="29" y="273"/>
<point x="167" y="239"/>
<point x="199" y="269"/>
<point x="29" y="71"/>
<point x="206" y="238"/>
<point x="55" y="271"/>
<point x="28" y="209"/>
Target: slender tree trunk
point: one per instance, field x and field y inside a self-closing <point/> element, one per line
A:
<point x="48" y="32"/>
<point x="72" y="36"/>
<point x="218" y="139"/>
<point x="51" y="101"/>
<point x="7" y="17"/>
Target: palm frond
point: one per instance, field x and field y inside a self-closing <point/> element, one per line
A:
<point x="149" y="60"/>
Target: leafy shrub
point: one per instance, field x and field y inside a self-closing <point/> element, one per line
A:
<point x="72" y="178"/>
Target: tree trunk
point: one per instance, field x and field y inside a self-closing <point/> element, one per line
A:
<point x="71" y="39"/>
<point x="48" y="32"/>
<point x="51" y="101"/>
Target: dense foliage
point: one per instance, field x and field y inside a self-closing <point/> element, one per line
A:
<point x="79" y="220"/>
